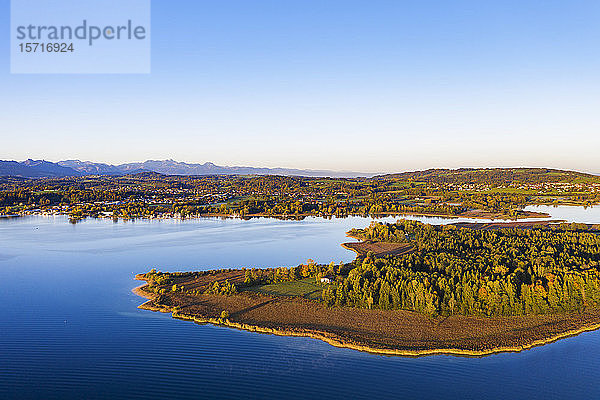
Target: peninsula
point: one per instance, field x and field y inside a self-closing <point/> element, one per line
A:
<point x="464" y="289"/>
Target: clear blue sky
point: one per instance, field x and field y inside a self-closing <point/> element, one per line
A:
<point x="345" y="85"/>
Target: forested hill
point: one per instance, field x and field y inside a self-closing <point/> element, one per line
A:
<point x="495" y="176"/>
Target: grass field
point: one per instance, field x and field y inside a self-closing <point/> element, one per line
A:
<point x="307" y="288"/>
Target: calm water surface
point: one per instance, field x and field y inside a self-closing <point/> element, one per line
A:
<point x="70" y="329"/>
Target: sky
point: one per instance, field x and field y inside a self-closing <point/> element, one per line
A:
<point x="371" y="86"/>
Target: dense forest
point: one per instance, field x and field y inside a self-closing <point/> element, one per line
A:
<point x="475" y="272"/>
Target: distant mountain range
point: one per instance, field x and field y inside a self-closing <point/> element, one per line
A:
<point x="40" y="168"/>
<point x="34" y="169"/>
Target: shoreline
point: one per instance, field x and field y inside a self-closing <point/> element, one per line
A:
<point x="335" y="340"/>
<point x="471" y="214"/>
<point x="478" y="215"/>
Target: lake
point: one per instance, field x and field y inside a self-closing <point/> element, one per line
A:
<point x="70" y="327"/>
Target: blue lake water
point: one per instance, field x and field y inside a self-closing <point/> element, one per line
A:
<point x="70" y="327"/>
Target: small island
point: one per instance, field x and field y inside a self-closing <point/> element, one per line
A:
<point x="414" y="289"/>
